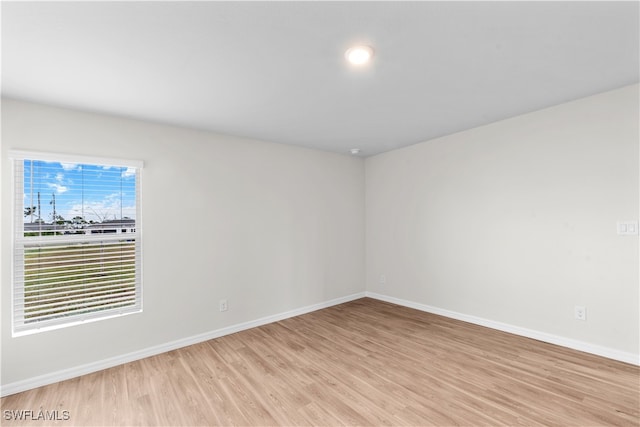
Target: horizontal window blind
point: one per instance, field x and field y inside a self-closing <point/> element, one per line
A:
<point x="77" y="251"/>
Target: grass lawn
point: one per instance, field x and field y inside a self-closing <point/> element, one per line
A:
<point x="66" y="279"/>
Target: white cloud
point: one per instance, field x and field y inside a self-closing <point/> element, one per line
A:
<point x="69" y="166"/>
<point x="100" y="210"/>
<point x="129" y="173"/>
<point x="59" y="189"/>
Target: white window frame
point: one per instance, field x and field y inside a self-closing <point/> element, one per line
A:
<point x="19" y="326"/>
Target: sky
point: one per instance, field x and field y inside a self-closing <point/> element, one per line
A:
<point x="95" y="193"/>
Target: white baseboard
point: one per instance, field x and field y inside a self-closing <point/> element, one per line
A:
<point x="609" y="353"/>
<point x="54" y="377"/>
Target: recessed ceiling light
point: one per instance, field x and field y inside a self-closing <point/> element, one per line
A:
<point x="354" y="151"/>
<point x="359" y="55"/>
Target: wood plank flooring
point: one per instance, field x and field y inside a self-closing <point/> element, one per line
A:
<point x="365" y="362"/>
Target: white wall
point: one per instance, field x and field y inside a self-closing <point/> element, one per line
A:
<point x="512" y="222"/>
<point x="270" y="227"/>
<point x="515" y="222"/>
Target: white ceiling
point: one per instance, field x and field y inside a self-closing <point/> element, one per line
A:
<point x="275" y="71"/>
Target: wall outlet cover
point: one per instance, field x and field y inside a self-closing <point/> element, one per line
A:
<point x="627" y="228"/>
<point x="580" y="312"/>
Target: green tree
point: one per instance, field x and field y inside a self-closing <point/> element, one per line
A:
<point x="30" y="210"/>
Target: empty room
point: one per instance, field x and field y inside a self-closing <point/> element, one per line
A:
<point x="320" y="213"/>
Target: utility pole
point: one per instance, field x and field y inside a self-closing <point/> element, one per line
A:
<point x="53" y="202"/>
<point x="31" y="191"/>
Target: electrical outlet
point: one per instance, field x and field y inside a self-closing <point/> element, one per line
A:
<point x="383" y="279"/>
<point x="580" y="313"/>
<point x="223" y="305"/>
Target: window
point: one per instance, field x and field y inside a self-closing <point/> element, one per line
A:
<point x="77" y="247"/>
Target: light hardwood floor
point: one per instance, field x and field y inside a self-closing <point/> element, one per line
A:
<point x="361" y="363"/>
